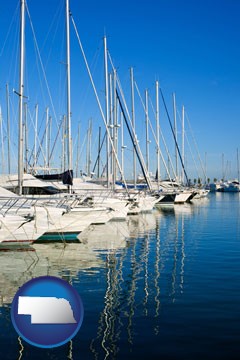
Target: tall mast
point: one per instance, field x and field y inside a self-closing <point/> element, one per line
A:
<point x="8" y="129"/>
<point x="122" y="142"/>
<point x="20" y="92"/>
<point x="237" y="166"/>
<point x="78" y="151"/>
<point x="223" y="170"/>
<point x="99" y="150"/>
<point x="183" y="134"/>
<point x="158" y="134"/>
<point x="133" y="126"/>
<point x="46" y="141"/>
<point x="147" y="131"/>
<point x="88" y="152"/>
<point x="35" y="137"/>
<point x="115" y="127"/>
<point x="26" y="137"/>
<point x="69" y="135"/>
<point x="49" y="142"/>
<point x="63" y="143"/>
<point x="111" y="157"/>
<point x="175" y="132"/>
<point x="106" y="107"/>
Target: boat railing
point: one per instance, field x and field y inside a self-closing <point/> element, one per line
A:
<point x="13" y="204"/>
<point x="17" y="204"/>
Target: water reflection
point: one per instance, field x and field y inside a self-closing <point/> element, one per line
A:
<point x="144" y="269"/>
<point x="15" y="269"/>
<point x="134" y="280"/>
<point x="63" y="260"/>
<point x="157" y="273"/>
<point x="21" y="348"/>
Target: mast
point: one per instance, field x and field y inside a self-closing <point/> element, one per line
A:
<point x="63" y="143"/>
<point x="147" y="132"/>
<point x="183" y="134"/>
<point x="88" y="152"/>
<point x="237" y="166"/>
<point x="205" y="167"/>
<point x="78" y="151"/>
<point x="98" y="101"/>
<point x="155" y="138"/>
<point x="49" y="142"/>
<point x="26" y="137"/>
<point x="46" y="141"/>
<point x="69" y="135"/>
<point x="106" y="107"/>
<point x="35" y="137"/>
<point x="175" y="131"/>
<point x="8" y="129"/>
<point x="90" y="148"/>
<point x="111" y="157"/>
<point x="170" y="123"/>
<point x="223" y="171"/>
<point x="122" y="142"/>
<point x="135" y="142"/>
<point x="20" y="92"/>
<point x="158" y="134"/>
<point x="99" y="150"/>
<point x="115" y="127"/>
<point x="133" y="126"/>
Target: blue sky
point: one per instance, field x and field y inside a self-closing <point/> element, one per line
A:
<point x="191" y="47"/>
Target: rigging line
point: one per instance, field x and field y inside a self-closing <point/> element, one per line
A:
<point x="131" y="134"/>
<point x="13" y="58"/>
<point x="41" y="82"/>
<point x="41" y="63"/>
<point x="9" y="29"/>
<point x="12" y="108"/>
<point x="40" y="148"/>
<point x="56" y="15"/>
<point x="140" y="156"/>
<point x="193" y="158"/>
<point x="40" y="143"/>
<point x="174" y="136"/>
<point x="165" y="145"/>
<point x="29" y="113"/>
<point x="98" y="101"/>
<point x="93" y="66"/>
<point x="76" y="147"/>
<point x="150" y="123"/>
<point x="79" y="155"/>
<point x="62" y="78"/>
<point x="97" y="159"/>
<point x="5" y="131"/>
<point x="56" y="137"/>
<point x="195" y="143"/>
<point x="82" y="147"/>
<point x="191" y="153"/>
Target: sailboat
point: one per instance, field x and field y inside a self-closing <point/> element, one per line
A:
<point x="33" y="216"/>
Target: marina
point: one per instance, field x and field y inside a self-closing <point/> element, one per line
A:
<point x="161" y="284"/>
<point x="107" y="183"/>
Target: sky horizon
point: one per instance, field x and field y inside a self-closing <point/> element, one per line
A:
<point x="190" y="47"/>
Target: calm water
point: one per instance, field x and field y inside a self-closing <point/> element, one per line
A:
<point x="162" y="285"/>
